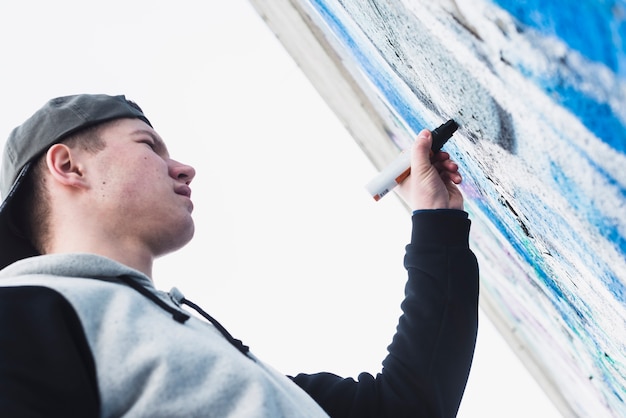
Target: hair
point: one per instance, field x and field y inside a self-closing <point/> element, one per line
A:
<point x="33" y="206"/>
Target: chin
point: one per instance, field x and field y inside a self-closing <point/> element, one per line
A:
<point x="186" y="234"/>
<point x="174" y="242"/>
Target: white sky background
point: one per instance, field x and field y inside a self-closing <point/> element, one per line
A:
<point x="290" y="253"/>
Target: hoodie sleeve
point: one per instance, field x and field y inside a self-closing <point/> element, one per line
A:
<point x="46" y="366"/>
<point x="429" y="359"/>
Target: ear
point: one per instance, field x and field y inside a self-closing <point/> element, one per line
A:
<point x="65" y="166"/>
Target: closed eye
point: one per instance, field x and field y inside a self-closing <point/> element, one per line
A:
<point x="149" y="143"/>
<point x="152" y="140"/>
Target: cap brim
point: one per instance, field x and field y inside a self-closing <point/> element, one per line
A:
<point x="13" y="246"/>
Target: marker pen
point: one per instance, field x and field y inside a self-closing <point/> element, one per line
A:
<point x="400" y="168"/>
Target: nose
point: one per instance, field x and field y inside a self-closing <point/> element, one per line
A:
<point x="181" y="172"/>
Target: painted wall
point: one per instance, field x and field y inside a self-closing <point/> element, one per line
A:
<point x="539" y="89"/>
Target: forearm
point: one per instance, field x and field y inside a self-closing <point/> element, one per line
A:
<point x="433" y="348"/>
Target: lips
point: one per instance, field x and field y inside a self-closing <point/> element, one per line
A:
<point x="183" y="190"/>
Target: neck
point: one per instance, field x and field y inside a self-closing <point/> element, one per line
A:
<point x="129" y="254"/>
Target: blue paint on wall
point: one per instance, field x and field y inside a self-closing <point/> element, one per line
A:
<point x="595" y="28"/>
<point x="372" y="69"/>
<point x="596" y="116"/>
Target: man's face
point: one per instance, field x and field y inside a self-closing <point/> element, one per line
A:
<point x="142" y="194"/>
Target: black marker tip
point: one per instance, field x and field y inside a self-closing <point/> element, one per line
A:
<point x="442" y="133"/>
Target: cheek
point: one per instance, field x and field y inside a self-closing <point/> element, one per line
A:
<point x="127" y="178"/>
<point x="130" y="169"/>
<point x="149" y="180"/>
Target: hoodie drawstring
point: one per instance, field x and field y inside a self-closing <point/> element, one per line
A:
<point x="238" y="344"/>
<point x="182" y="317"/>
<point x="176" y="314"/>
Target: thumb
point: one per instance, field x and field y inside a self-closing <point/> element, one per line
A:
<point x="421" y="151"/>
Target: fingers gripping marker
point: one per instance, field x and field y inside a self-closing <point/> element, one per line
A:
<point x="400" y="168"/>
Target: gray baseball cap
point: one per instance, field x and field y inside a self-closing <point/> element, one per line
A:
<point x="55" y="121"/>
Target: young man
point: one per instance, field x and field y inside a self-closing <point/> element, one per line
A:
<point x="92" y="197"/>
